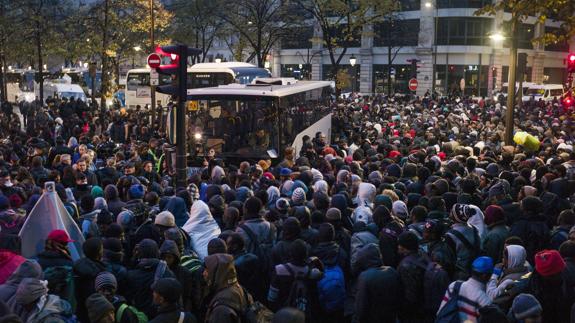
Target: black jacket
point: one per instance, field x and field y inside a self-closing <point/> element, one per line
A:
<point x="247" y="268"/>
<point x="331" y="254"/>
<point x="534" y="232"/>
<point x="170" y="313"/>
<point x="49" y="258"/>
<point x="140" y="280"/>
<point x="85" y="272"/>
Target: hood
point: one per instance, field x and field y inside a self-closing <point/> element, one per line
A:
<point x="221" y="271"/>
<point x="327" y="252"/>
<point x="52" y="305"/>
<point x="88" y="267"/>
<point x="273" y="196"/>
<point x="28" y="269"/>
<point x="368" y="256"/>
<point x="100" y="204"/>
<point x="362" y="214"/>
<point x="399" y="209"/>
<point x="177" y="206"/>
<point x="201" y="227"/>
<point x="217" y="174"/>
<point x="321" y="186"/>
<point x="478" y="221"/>
<point x="91" y="216"/>
<point x="111" y="192"/>
<point x="560" y="187"/>
<point x="366" y="193"/>
<point x="515" y="256"/>
<point x="341" y="176"/>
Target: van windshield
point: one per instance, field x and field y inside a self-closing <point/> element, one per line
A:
<point x="75" y="95"/>
<point x="536" y="92"/>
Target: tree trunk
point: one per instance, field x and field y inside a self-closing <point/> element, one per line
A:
<point x="104" y="87"/>
<point x="40" y="62"/>
<point x="509" y="118"/>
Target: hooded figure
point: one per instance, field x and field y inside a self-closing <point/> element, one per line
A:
<point x="478" y="221"/>
<point x="321" y="186"/>
<point x="217" y="174"/>
<point x="32" y="303"/>
<point x="273" y="196"/>
<point x="177" y="206"/>
<point x="201" y="227"/>
<point x="513" y="269"/>
<point x="28" y="269"/>
<point x="229" y="298"/>
<point x="365" y="195"/>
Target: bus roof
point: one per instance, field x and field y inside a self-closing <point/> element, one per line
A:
<point x="211" y="66"/>
<point x="259" y="90"/>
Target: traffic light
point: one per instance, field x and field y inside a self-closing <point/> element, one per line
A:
<point x="568" y="100"/>
<point x="571" y="63"/>
<point x="414" y="68"/>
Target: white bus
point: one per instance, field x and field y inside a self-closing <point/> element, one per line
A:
<point x="199" y="75"/>
<point x="261" y="119"/>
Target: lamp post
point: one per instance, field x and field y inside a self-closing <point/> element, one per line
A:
<point x="430" y="5"/>
<point x="352" y="61"/>
<point x="136" y="49"/>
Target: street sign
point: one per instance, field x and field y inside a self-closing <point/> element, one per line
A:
<point x="413" y="84"/>
<point x="154" y="77"/>
<point x="392" y="71"/>
<point x="154" y="60"/>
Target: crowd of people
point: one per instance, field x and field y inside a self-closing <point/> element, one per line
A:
<point x="417" y="211"/>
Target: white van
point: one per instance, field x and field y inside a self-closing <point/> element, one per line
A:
<point x="62" y="89"/>
<point x="547" y="92"/>
<point x="505" y="86"/>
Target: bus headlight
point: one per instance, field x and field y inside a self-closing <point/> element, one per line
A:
<point x="197" y="136"/>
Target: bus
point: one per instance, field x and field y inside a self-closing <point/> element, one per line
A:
<point x="199" y="75"/>
<point x="259" y="120"/>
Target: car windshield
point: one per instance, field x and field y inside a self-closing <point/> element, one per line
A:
<point x="536" y="92"/>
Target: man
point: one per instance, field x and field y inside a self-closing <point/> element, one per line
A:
<point x="137" y="205"/>
<point x="166" y="295"/>
<point x="148" y="269"/>
<point x="464" y="237"/>
<point x="149" y="173"/>
<point x="260" y="140"/>
<point x="170" y="253"/>
<point x="560" y="234"/>
<point x="247" y="265"/>
<point x="85" y="272"/>
<point x="108" y="175"/>
<point x="82" y="166"/>
<point x="378" y="295"/>
<point x="531" y="227"/>
<point x="496" y="234"/>
<point x="100" y="310"/>
<point x="472" y="296"/>
<point x="255" y="229"/>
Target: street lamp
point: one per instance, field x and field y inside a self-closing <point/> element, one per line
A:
<point x="352" y="61"/>
<point x="428" y="4"/>
<point x="137" y="48"/>
<point x="497" y="37"/>
<point x="45" y="66"/>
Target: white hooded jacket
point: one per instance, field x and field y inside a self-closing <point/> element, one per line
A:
<point x="201" y="227"/>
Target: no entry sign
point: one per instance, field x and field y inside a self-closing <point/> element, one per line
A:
<point x="413" y="84"/>
<point x="154" y="60"/>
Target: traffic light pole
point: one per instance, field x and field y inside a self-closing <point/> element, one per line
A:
<point x="181" y="159"/>
<point x="509" y="120"/>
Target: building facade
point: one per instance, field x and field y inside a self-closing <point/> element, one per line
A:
<point x="454" y="48"/>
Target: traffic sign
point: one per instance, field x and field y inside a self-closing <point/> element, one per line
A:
<point x="154" y="77"/>
<point x="392" y="71"/>
<point x="154" y="60"/>
<point x="413" y="84"/>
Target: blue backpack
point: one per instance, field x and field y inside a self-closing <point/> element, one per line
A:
<point x="449" y="313"/>
<point x="331" y="289"/>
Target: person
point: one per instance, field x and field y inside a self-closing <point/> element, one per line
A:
<point x="56" y="252"/>
<point x="560" y="234"/>
<point x="229" y="299"/>
<point x="497" y="232"/>
<point x="254" y="226"/>
<point x="166" y="295"/>
<point x="525" y="308"/>
<point x="378" y="288"/>
<point x="531" y="227"/>
<point x="411" y="270"/>
<point x="100" y="310"/>
<point x="472" y="296"/>
<point x="32" y="303"/>
<point x="149" y="268"/>
<point x="85" y="272"/>
<point x="106" y="285"/>
<point x="170" y="253"/>
<point x="27" y="269"/>
<point x="247" y="266"/>
<point x="465" y="238"/>
<point x="506" y="273"/>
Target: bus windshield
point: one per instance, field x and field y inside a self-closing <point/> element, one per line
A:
<point x="245" y="75"/>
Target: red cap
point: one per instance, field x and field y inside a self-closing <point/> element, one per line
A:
<point x="269" y="176"/>
<point x="394" y="154"/>
<point x="549" y="263"/>
<point x="59" y="236"/>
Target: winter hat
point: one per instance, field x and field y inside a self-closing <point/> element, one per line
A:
<point x="383" y="200"/>
<point x="170" y="247"/>
<point x="291" y="229"/>
<point x="400" y="210"/>
<point x="97" y="191"/>
<point x="496" y="190"/>
<point x="136" y="191"/>
<point x="148" y="248"/>
<point x="285" y="172"/>
<point x="166" y="219"/>
<point x="408" y="240"/>
<point x="494" y="214"/>
<point x="483" y="265"/>
<point x="298" y="196"/>
<point x="169" y="288"/>
<point x="549" y="263"/>
<point x="525" y="306"/>
<point x="282" y="204"/>
<point x="98" y="307"/>
<point x="531" y="204"/>
<point x="459" y="213"/>
<point x="326" y="232"/>
<point x="105" y="279"/>
<point x="104" y="217"/>
<point x="125" y="218"/>
<point x="333" y="214"/>
<point x="100" y="203"/>
<point x="29" y="290"/>
<point x="394" y="170"/>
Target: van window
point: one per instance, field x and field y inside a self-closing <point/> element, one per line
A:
<point x="556" y="92"/>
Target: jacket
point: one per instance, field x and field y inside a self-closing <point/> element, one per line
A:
<point x="472" y="297"/>
<point x="140" y="280"/>
<point x="378" y="290"/>
<point x="534" y="232"/>
<point x="247" y="269"/>
<point x="411" y="271"/>
<point x="556" y="297"/>
<point x="514" y="271"/>
<point x="331" y="254"/>
<point x="494" y="241"/>
<point x="264" y="230"/>
<point x="52" y="309"/>
<point x="282" y="281"/>
<point x="171" y="313"/>
<point x="464" y="254"/>
<point x="49" y="258"/>
<point x="85" y="272"/>
<point x="28" y="269"/>
<point x="361" y="237"/>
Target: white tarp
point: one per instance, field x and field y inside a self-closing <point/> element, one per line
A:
<point x="201" y="227"/>
<point x="49" y="214"/>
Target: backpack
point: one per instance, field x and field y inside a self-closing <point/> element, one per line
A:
<point x="142" y="318"/>
<point x="414" y="279"/>
<point x="435" y="282"/>
<point x="61" y="283"/>
<point x="449" y="313"/>
<point x="473" y="248"/>
<point x="331" y="289"/>
<point x="261" y="250"/>
<point x="254" y="312"/>
<point x="299" y="292"/>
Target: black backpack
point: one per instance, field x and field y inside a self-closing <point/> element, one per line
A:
<point x="254" y="312"/>
<point x="262" y="250"/>
<point x="299" y="292"/>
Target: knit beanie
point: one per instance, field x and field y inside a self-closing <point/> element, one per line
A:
<point x="326" y="232"/>
<point x="105" y="279"/>
<point x="549" y="263"/>
<point x="333" y="214"/>
<point x="459" y="213"/>
<point x="166" y="219"/>
<point x="408" y="240"/>
<point x="29" y="290"/>
<point x="169" y="288"/>
<point x="97" y="191"/>
<point x="298" y="196"/>
<point x="148" y="248"/>
<point x="525" y="306"/>
<point x="170" y="247"/>
<point x="136" y="191"/>
<point x="282" y="204"/>
<point x="98" y="307"/>
<point x="494" y="214"/>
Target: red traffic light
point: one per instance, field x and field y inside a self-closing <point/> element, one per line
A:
<point x="571" y="58"/>
<point x="568" y="101"/>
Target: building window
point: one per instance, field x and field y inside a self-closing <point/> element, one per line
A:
<point x="462" y="3"/>
<point x="400" y="75"/>
<point x="554" y="75"/>
<point x="346" y="74"/>
<point x="397" y="34"/>
<point x="297" y="71"/>
<point x="474" y="77"/>
<point x="562" y="46"/>
<point x="464" y="31"/>
<point x="409" y="5"/>
<point x="298" y="37"/>
<point x="505" y="74"/>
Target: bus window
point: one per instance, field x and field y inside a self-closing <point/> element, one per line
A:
<point x="137" y="79"/>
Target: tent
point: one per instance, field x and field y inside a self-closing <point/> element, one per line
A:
<point x="49" y="214"/>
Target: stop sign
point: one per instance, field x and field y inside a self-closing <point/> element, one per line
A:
<point x="413" y="84"/>
<point x="154" y="60"/>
